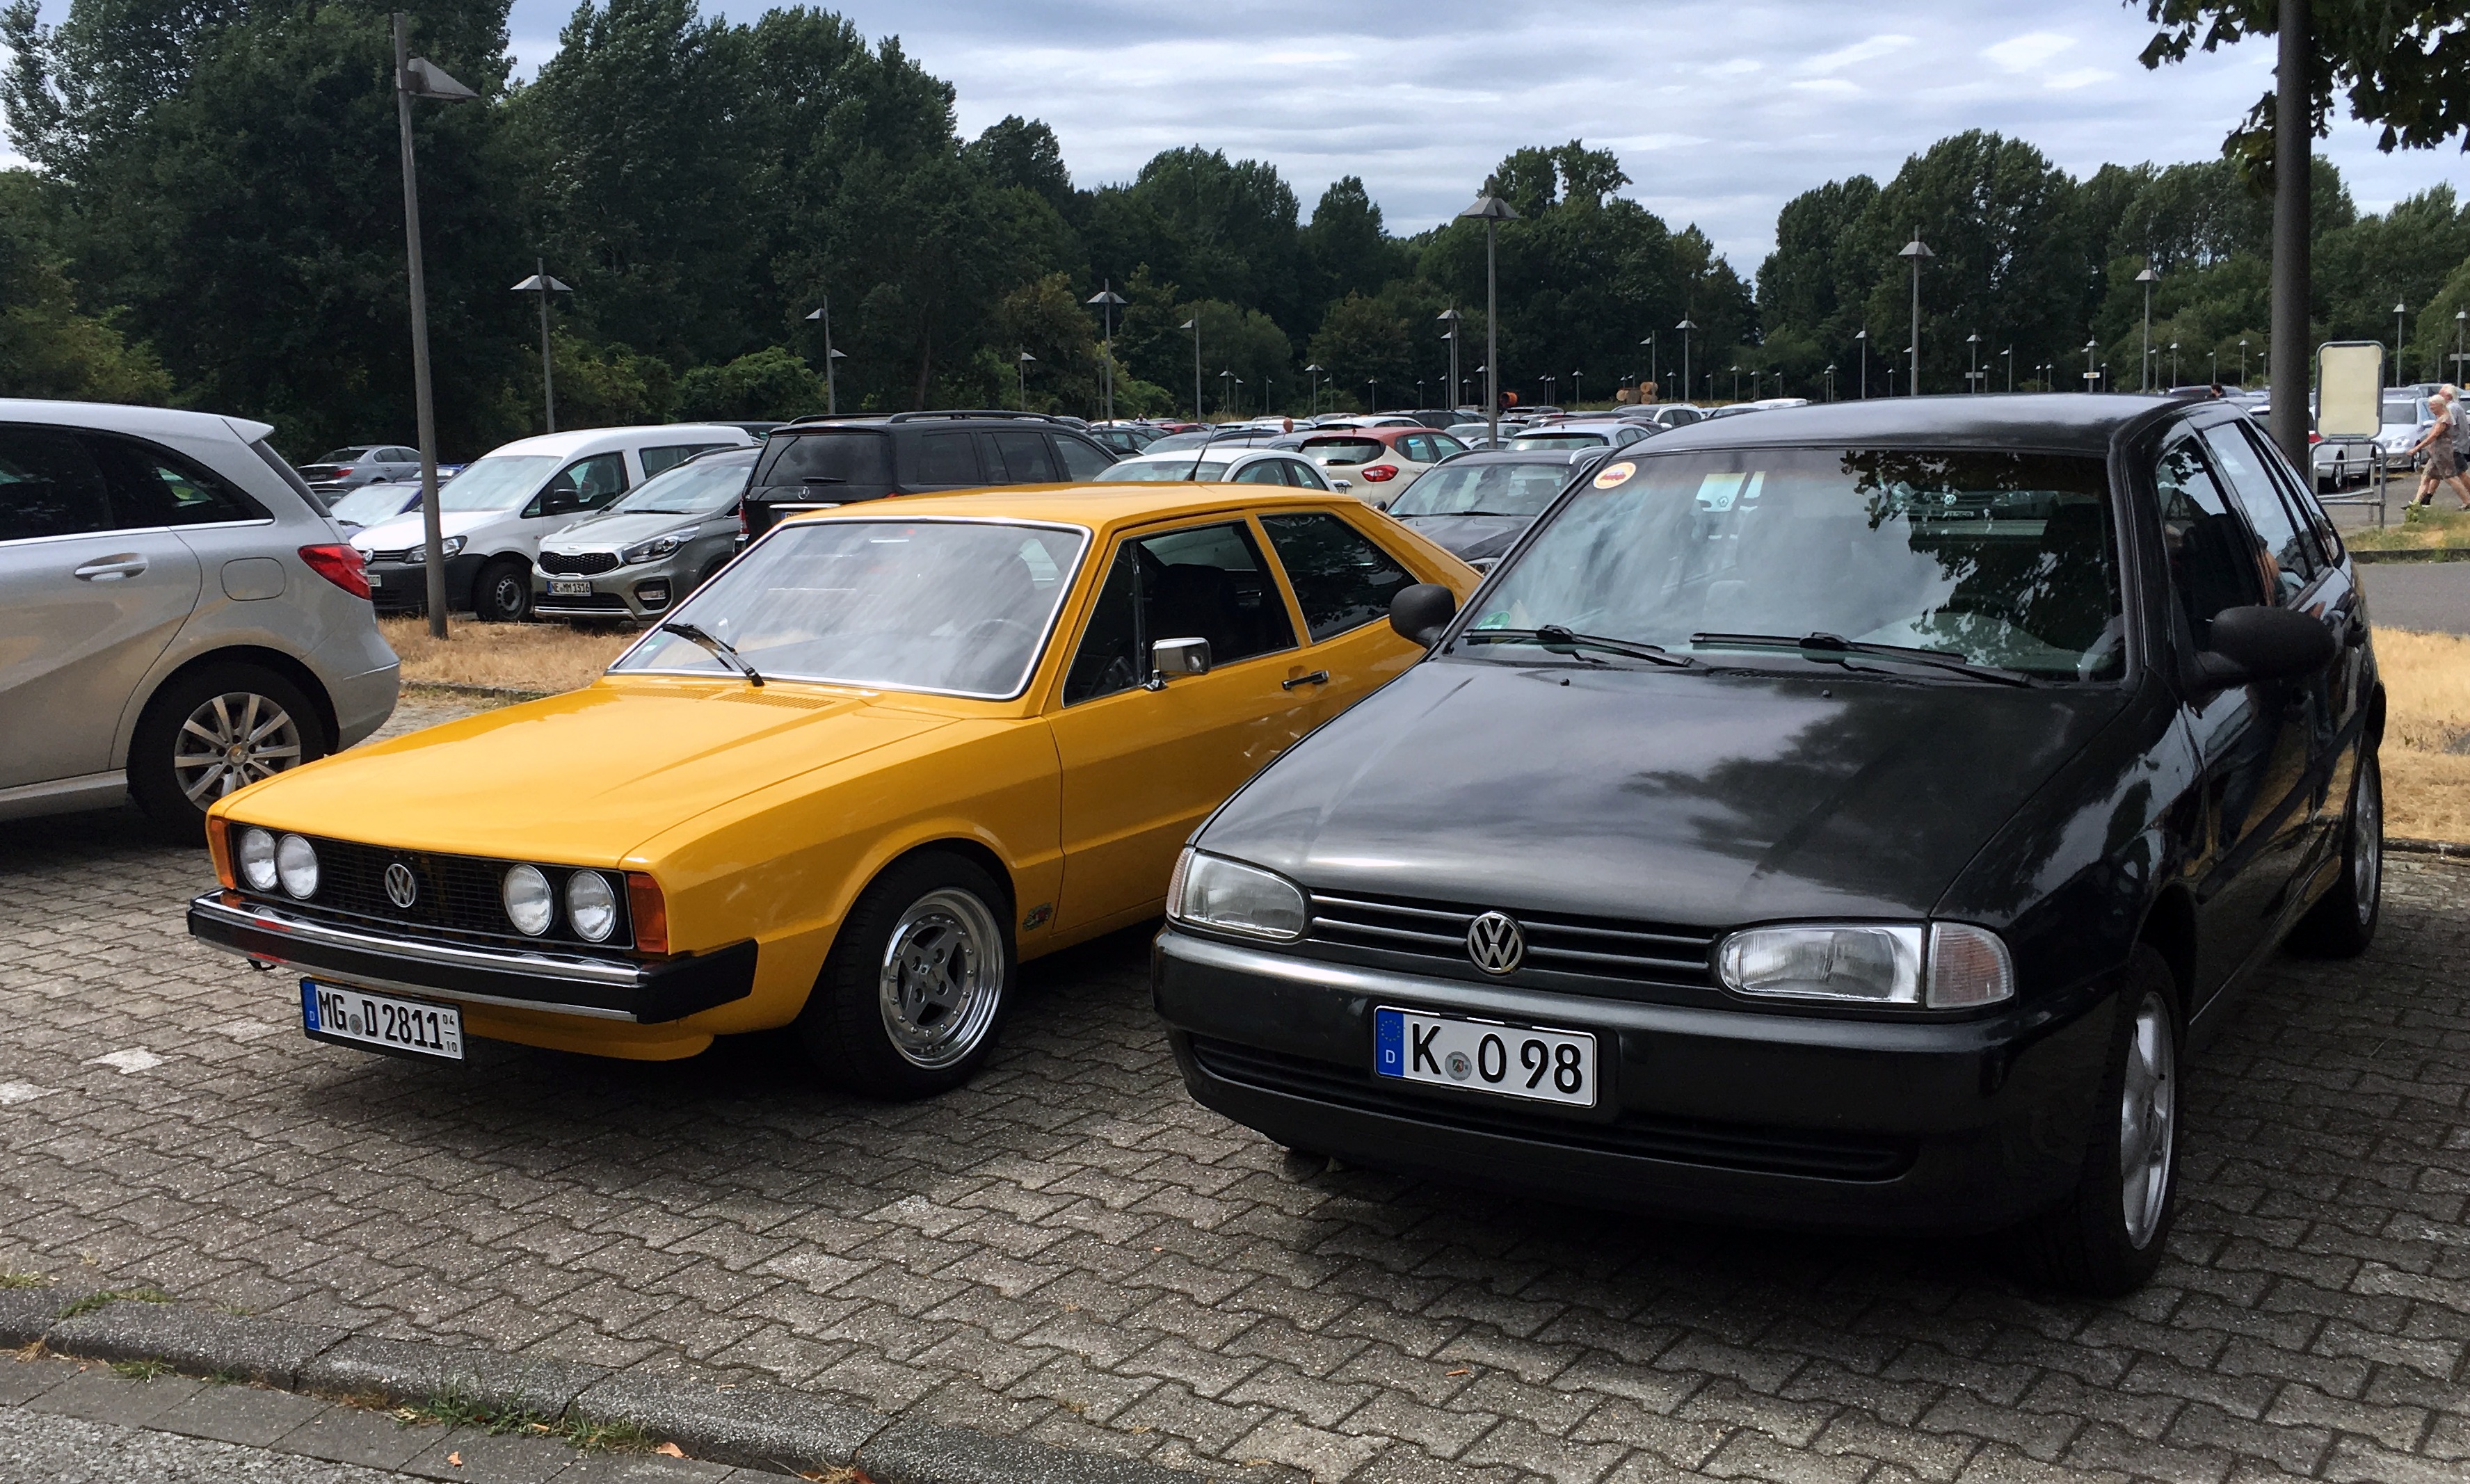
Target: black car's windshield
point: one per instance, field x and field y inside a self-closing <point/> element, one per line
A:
<point x="956" y="607"/>
<point x="1483" y="489"/>
<point x="704" y="486"/>
<point x="2005" y="560"/>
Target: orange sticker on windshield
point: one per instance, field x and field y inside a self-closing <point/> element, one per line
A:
<point x="1615" y="473"/>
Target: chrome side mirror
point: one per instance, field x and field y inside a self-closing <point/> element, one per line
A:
<point x="1176" y="656"/>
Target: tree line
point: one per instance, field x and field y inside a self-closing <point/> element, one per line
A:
<point x="214" y="218"/>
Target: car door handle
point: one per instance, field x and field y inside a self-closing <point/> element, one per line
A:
<point x="1315" y="677"/>
<point x="110" y="568"/>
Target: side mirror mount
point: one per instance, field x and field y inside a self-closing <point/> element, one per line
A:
<point x="2255" y="644"/>
<point x="1176" y="656"/>
<point x="1422" y="611"/>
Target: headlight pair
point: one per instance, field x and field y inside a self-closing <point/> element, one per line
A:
<point x="654" y="549"/>
<point x="531" y="906"/>
<point x="1940" y="965"/>
<point x="266" y="862"/>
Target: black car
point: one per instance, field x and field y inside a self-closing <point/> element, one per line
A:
<point x="1839" y="817"/>
<point x="818" y="462"/>
<point x="1478" y="504"/>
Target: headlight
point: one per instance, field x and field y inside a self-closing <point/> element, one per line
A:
<point x="1870" y="964"/>
<point x="590" y="906"/>
<point x="654" y="549"/>
<point x="296" y="863"/>
<point x="257" y="859"/>
<point x="1227" y="896"/>
<point x="530" y="906"/>
<point x="450" y="547"/>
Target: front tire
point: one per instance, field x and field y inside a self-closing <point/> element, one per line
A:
<point x="910" y="1001"/>
<point x="213" y="730"/>
<point x="2106" y="1238"/>
<point x="2342" y="923"/>
<point x="502" y="592"/>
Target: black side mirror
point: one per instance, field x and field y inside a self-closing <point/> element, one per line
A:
<point x="2255" y="644"/>
<point x="560" y="502"/>
<point x="1420" y="611"/>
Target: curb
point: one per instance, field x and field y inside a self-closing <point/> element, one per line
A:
<point x="478" y="692"/>
<point x="755" y="1426"/>
<point x="2453" y="850"/>
<point x="2411" y="554"/>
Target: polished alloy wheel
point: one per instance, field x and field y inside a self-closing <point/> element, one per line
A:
<point x="943" y="977"/>
<point x="2147" y="1108"/>
<point x="230" y="742"/>
<point x="2368" y="839"/>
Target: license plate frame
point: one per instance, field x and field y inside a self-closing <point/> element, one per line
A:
<point x="570" y="587"/>
<point x="423" y="1030"/>
<point x="1398" y="1055"/>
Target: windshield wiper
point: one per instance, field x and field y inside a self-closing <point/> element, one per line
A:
<point x="1836" y="643"/>
<point x="721" y="649"/>
<point x="1562" y="640"/>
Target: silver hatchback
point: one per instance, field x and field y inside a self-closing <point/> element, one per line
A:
<point x="638" y="559"/>
<point x="178" y="615"/>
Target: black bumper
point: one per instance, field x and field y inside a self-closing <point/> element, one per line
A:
<point x="398" y="589"/>
<point x="1733" y="1115"/>
<point x="603" y="989"/>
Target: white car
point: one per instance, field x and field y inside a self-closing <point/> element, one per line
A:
<point x="2406" y="420"/>
<point x="1379" y="461"/>
<point x="1226" y="464"/>
<point x="1609" y="433"/>
<point x="493" y="515"/>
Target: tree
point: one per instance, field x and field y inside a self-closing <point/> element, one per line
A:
<point x="47" y="348"/>
<point x="1345" y="248"/>
<point x="773" y="383"/>
<point x="1359" y="338"/>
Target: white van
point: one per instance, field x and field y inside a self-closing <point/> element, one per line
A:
<point x="495" y="512"/>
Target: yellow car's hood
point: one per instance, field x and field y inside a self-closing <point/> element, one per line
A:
<point x="581" y="778"/>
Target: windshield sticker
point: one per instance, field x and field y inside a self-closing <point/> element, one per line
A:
<point x="1615" y="473"/>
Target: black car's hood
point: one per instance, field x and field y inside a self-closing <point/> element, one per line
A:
<point x="1677" y="797"/>
<point x="1470" y="538"/>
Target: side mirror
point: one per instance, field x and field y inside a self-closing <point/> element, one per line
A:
<point x="2255" y="644"/>
<point x="1178" y="656"/>
<point x="1341" y="484"/>
<point x="560" y="502"/>
<point x="1419" y="613"/>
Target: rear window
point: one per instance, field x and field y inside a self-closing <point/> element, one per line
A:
<point x="1346" y="450"/>
<point x="841" y="457"/>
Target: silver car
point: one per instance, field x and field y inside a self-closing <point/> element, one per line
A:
<point x="363" y="463"/>
<point x="636" y="559"/>
<point x="178" y="615"/>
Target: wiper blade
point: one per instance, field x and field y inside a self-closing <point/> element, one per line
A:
<point x="1836" y="643"/>
<point x="1562" y="640"/>
<point x="721" y="649"/>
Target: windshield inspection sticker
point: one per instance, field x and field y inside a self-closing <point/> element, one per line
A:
<point x="1613" y="473"/>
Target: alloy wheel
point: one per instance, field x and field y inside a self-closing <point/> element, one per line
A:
<point x="2148" y="1108"/>
<point x="2368" y="839"/>
<point x="941" y="979"/>
<point x="231" y="741"/>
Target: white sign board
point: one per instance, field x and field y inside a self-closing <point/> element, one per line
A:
<point x="2350" y="389"/>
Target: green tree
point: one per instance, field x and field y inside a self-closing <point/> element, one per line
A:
<point x="1360" y="339"/>
<point x="772" y="382"/>
<point x="47" y="348"/>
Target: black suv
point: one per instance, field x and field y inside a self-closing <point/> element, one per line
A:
<point x="818" y="462"/>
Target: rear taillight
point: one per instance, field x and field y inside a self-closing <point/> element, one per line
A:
<point x="651" y="914"/>
<point x="2314" y="438"/>
<point x="1378" y="472"/>
<point x="340" y="565"/>
<point x="741" y="523"/>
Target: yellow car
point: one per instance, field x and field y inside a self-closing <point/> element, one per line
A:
<point x="893" y="751"/>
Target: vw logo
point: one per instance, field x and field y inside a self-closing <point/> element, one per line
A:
<point x="1496" y="943"/>
<point x="401" y="889"/>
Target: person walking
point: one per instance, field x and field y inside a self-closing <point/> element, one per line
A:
<point x="2443" y="460"/>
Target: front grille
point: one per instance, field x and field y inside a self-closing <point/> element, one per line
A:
<point x="1793" y="1152"/>
<point x="458" y="895"/>
<point x="1590" y="948"/>
<point x="579" y="564"/>
<point x="403" y="555"/>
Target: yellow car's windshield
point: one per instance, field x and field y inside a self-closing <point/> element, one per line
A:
<point x="952" y="607"/>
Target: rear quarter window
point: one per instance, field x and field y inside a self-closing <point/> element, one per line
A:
<point x="826" y="459"/>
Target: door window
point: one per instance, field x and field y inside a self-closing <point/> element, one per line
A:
<point x="1080" y="461"/>
<point x="150" y="487"/>
<point x="1341" y="580"/>
<point x="948" y="458"/>
<point x="1026" y="457"/>
<point x="1208" y="582"/>
<point x="2324" y="541"/>
<point x="50" y="485"/>
<point x="1261" y="471"/>
<point x="668" y="456"/>
<point x="1444" y="444"/>
<point x="2214" y="562"/>
<point x="1300" y="474"/>
<point x="588" y="483"/>
<point x="2289" y="555"/>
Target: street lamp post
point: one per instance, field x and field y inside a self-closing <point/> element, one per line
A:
<point x="2399" y="311"/>
<point x="2461" y="318"/>
<point x="1020" y="364"/>
<point x="1454" y="320"/>
<point x="417" y="77"/>
<point x="1578" y="387"/>
<point x="1830" y="381"/>
<point x="1736" y="382"/>
<point x="822" y="315"/>
<point x="2241" y="361"/>
<point x="1916" y="251"/>
<point x="1315" y="385"/>
<point x="1108" y="301"/>
<point x="542" y="283"/>
<point x="1684" y="326"/>
<point x="1227" y="390"/>
<point x="2010" y="354"/>
<point x="2091" y="348"/>
<point x="1194" y="325"/>
<point x="1861" y="348"/>
<point x="1891" y="381"/>
<point x="1654" y="372"/>
<point x="1972" y="362"/>
<point x="1492" y="211"/>
<point x="2173" y="363"/>
<point x="2144" y="372"/>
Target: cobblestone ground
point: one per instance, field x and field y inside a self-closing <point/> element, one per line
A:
<point x="1071" y="1250"/>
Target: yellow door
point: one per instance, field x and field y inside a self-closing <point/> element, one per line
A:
<point x="1145" y="762"/>
<point x="1342" y="578"/>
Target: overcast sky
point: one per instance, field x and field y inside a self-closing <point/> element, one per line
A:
<point x="1721" y="111"/>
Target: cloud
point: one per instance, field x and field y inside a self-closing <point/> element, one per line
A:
<point x="2024" y="52"/>
<point x="1858" y="52"/>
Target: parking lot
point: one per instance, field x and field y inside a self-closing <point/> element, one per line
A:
<point x="1070" y="1250"/>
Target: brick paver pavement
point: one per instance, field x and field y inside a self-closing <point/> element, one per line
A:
<point x="1071" y="1250"/>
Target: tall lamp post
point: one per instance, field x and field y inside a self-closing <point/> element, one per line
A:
<point x="1454" y="320"/>
<point x="417" y="77"/>
<point x="2241" y="361"/>
<point x="1194" y="325"/>
<point x="1972" y="362"/>
<point x="1492" y="211"/>
<point x="1861" y="348"/>
<point x="1020" y="364"/>
<point x="2399" y="311"/>
<point x="2173" y="363"/>
<point x="1684" y="326"/>
<point x="2148" y="278"/>
<point x="1916" y="251"/>
<point x="542" y="283"/>
<point x="822" y="315"/>
<point x="1374" y="382"/>
<point x="2461" y="318"/>
<point x="1107" y="301"/>
<point x="1315" y="388"/>
<point x="1578" y="387"/>
<point x="1830" y="381"/>
<point x="2010" y="354"/>
<point x="2091" y="348"/>
<point x="1654" y="372"/>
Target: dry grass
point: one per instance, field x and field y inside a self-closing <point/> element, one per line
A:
<point x="2440" y="525"/>
<point x="544" y="656"/>
<point x="2427" y="690"/>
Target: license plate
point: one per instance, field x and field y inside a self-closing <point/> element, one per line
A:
<point x="1486" y="1057"/>
<point x="387" y="1021"/>
<point x="376" y="579"/>
<point x="569" y="587"/>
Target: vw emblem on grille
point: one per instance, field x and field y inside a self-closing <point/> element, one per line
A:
<point x="401" y="889"/>
<point x="1496" y="943"/>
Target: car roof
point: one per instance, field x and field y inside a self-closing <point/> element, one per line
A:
<point x="606" y="440"/>
<point x="1229" y="448"/>
<point x="1100" y="507"/>
<point x="2070" y="422"/>
<point x="1562" y="457"/>
<point x="122" y="417"/>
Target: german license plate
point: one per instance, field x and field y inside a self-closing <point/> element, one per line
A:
<point x="569" y="587"/>
<point x="1485" y="1056"/>
<point x="386" y="1021"/>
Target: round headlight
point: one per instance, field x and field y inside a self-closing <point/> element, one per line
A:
<point x="530" y="904"/>
<point x="257" y="859"/>
<point x="590" y="906"/>
<point x="295" y="862"/>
